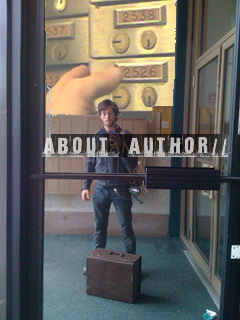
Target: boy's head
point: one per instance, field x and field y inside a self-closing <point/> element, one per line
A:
<point x="106" y="104"/>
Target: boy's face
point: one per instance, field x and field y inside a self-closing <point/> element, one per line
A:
<point x="108" y="117"/>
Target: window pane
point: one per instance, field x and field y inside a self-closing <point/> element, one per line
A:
<point x="203" y="221"/>
<point x="206" y="110"/>
<point x="220" y="14"/>
<point x="207" y="86"/>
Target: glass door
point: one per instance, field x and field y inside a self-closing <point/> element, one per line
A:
<point x="206" y="119"/>
<point x="212" y="114"/>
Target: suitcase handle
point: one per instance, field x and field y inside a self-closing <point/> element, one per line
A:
<point x="116" y="252"/>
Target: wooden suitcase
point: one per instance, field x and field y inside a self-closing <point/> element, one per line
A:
<point x="114" y="275"/>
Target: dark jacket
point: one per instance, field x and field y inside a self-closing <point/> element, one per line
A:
<point x="110" y="164"/>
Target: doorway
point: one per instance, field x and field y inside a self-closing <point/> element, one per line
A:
<point x="211" y="85"/>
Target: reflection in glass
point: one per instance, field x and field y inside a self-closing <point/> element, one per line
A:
<point x="224" y="160"/>
<point x="203" y="221"/>
<point x="206" y="109"/>
<point x="222" y="202"/>
<point x="220" y="13"/>
<point x="186" y="217"/>
<point x="206" y="105"/>
<point x="69" y="222"/>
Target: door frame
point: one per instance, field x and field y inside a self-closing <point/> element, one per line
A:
<point x="229" y="302"/>
<point x="192" y="194"/>
<point x="209" y="267"/>
<point x="230" y="291"/>
<point x="26" y="98"/>
<point x="25" y="101"/>
<point x="215" y="279"/>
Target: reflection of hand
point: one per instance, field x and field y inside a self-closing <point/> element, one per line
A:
<point x="76" y="90"/>
<point x="85" y="195"/>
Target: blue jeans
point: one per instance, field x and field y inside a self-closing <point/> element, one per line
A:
<point x="122" y="201"/>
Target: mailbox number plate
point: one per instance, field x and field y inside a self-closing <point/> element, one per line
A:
<point x="138" y="17"/>
<point x="60" y="30"/>
<point x="156" y="72"/>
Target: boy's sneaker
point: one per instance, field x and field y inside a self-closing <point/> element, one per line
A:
<point x="85" y="271"/>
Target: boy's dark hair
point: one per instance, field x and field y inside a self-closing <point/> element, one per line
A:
<point x="103" y="105"/>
